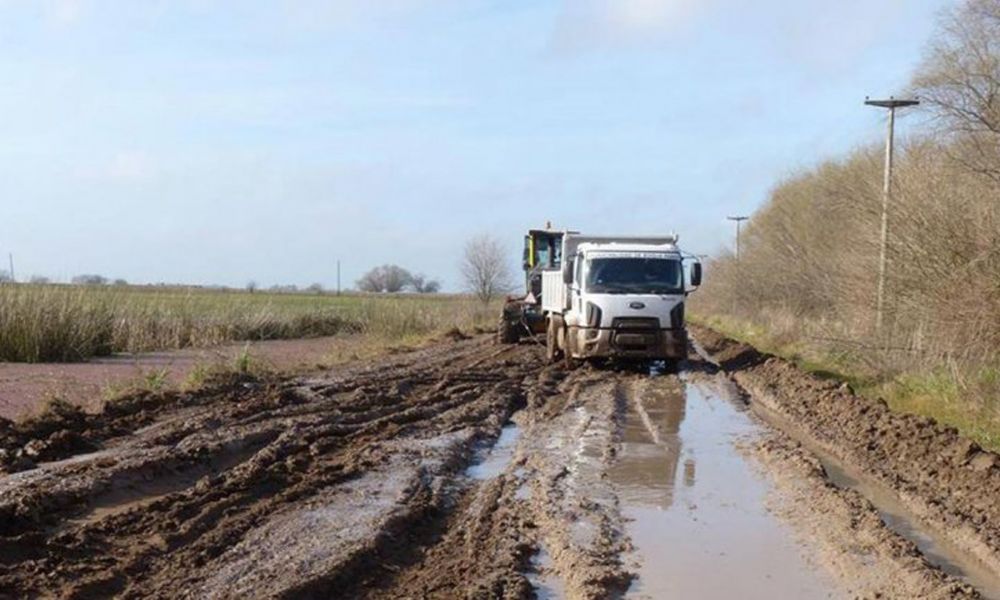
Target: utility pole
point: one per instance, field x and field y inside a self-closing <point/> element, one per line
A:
<point x="338" y="276"/>
<point x="10" y="258"/>
<point x="891" y="104"/>
<point x="738" y="221"/>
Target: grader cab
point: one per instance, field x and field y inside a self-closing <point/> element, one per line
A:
<point x="522" y="314"/>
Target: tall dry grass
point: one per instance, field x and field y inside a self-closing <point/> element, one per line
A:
<point x="808" y="272"/>
<point x="70" y="323"/>
<point x="809" y="264"/>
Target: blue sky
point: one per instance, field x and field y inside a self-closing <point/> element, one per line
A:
<point x="206" y="141"/>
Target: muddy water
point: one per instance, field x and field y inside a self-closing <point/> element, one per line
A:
<point x="546" y="585"/>
<point x="695" y="506"/>
<point x="936" y="549"/>
<point x="498" y="457"/>
<point x="933" y="545"/>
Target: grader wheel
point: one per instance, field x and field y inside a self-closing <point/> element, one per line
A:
<point x="508" y="330"/>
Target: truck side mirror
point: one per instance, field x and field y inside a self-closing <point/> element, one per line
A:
<point x="567" y="271"/>
<point x="696" y="274"/>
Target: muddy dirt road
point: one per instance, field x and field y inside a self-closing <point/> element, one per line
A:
<point x="470" y="470"/>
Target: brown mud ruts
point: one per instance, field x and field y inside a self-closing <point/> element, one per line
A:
<point x="286" y="487"/>
<point x="947" y="481"/>
<point x="845" y="532"/>
<point x="464" y="469"/>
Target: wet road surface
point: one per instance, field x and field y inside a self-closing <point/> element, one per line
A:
<point x="462" y="470"/>
<point x="695" y="506"/>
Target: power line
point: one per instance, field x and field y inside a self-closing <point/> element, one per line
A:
<point x="891" y="104"/>
<point x="738" y="221"/>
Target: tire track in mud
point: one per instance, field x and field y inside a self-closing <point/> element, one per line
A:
<point x="287" y="489"/>
<point x="945" y="481"/>
<point x="357" y="483"/>
<point x="551" y="498"/>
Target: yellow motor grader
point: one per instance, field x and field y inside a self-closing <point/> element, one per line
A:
<point x="522" y="315"/>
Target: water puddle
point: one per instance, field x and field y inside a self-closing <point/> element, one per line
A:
<point x="498" y="457"/>
<point x="935" y="547"/>
<point x="542" y="577"/>
<point x="696" y="507"/>
<point x="937" y="550"/>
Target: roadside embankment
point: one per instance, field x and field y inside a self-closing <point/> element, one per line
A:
<point x="947" y="480"/>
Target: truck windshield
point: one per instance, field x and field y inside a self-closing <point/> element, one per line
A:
<point x="635" y="276"/>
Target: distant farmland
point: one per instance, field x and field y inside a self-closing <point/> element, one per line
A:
<point x="70" y="323"/>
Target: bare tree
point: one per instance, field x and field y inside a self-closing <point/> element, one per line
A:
<point x="386" y="278"/>
<point x="959" y="81"/>
<point x="39" y="279"/>
<point x="90" y="280"/>
<point x="370" y="282"/>
<point x="395" y="278"/>
<point x="5" y="277"/>
<point x="316" y="288"/>
<point x="485" y="269"/>
<point x="422" y="285"/>
<point x="251" y="286"/>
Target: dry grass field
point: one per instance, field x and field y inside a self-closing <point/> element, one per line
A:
<point x="59" y="323"/>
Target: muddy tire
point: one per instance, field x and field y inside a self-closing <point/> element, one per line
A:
<point x="562" y="339"/>
<point x="508" y="332"/>
<point x="552" y="351"/>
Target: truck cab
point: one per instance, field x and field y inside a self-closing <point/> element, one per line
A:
<point x="618" y="297"/>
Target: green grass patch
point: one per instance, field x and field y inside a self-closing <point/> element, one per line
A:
<point x="966" y="401"/>
<point x="822" y="364"/>
<point x="965" y="398"/>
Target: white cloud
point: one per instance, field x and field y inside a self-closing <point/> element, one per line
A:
<point x="314" y="14"/>
<point x="832" y="37"/>
<point x="584" y="24"/>
<point x="64" y="12"/>
<point x="127" y="166"/>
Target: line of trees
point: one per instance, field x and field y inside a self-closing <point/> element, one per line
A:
<point x="393" y="278"/>
<point x="809" y="262"/>
<point x="90" y="279"/>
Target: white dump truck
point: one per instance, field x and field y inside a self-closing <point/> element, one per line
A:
<point x="618" y="297"/>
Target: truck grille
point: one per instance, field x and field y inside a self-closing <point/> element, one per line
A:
<point x="635" y="334"/>
<point x="635" y="323"/>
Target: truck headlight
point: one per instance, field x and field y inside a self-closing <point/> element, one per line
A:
<point x="677" y="316"/>
<point x="593" y="315"/>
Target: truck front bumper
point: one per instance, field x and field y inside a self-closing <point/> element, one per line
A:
<point x="655" y="344"/>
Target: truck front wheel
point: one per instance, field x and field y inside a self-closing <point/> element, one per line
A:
<point x="552" y="351"/>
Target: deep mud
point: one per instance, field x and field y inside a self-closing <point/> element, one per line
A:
<point x="463" y="470"/>
<point x="946" y="480"/>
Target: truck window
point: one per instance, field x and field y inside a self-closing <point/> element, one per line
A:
<point x="635" y="276"/>
<point x="542" y="253"/>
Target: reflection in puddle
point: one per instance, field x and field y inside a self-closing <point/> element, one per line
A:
<point x="651" y="447"/>
<point x="499" y="455"/>
<point x="689" y="472"/>
<point x="701" y="530"/>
